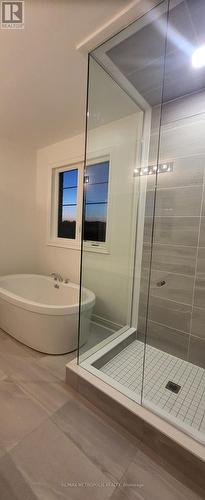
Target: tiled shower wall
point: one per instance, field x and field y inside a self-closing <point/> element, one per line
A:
<point x="176" y="312"/>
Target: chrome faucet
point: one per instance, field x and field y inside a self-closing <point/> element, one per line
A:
<point x="57" y="278"/>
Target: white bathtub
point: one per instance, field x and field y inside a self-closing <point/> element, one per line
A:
<point x="41" y="316"/>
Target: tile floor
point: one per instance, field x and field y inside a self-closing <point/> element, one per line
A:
<point x="188" y="406"/>
<point x="54" y="445"/>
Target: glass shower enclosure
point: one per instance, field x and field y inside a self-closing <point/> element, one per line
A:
<point x="143" y="242"/>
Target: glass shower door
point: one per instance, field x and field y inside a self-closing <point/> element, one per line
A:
<point x="114" y="128"/>
<point x="174" y="368"/>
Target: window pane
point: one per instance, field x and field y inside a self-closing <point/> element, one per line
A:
<point x="67" y="222"/>
<point x="95" y="222"/>
<point x="67" y="229"/>
<point x="70" y="178"/>
<point x="69" y="196"/>
<point x="67" y="204"/>
<point x="96" y="211"/>
<point x="69" y="213"/>
<point x="98" y="172"/>
<point x="96" y="193"/>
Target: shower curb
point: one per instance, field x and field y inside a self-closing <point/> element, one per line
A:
<point x="183" y="454"/>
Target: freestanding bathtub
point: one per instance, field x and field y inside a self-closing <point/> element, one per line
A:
<point x="41" y="316"/>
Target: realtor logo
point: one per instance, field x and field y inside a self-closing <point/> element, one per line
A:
<point x="12" y="15"/>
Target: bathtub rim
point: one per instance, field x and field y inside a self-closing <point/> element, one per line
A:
<point x="40" y="308"/>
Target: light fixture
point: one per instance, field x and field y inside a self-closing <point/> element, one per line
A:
<point x="161" y="168"/>
<point x="198" y="57"/>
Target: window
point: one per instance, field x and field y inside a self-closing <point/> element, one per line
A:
<point x="96" y="202"/>
<point x="65" y="211"/>
<point x="67" y="204"/>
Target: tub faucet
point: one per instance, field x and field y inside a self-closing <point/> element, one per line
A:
<point x="57" y="278"/>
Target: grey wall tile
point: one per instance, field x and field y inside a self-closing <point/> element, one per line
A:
<point x="176" y="259"/>
<point x="148" y="229"/>
<point x="197" y="351"/>
<point x="184" y="201"/>
<point x="177" y="287"/>
<point x="203" y="205"/>
<point x="186" y="172"/>
<point x="146" y="255"/>
<point x="198" y="322"/>
<point x="168" y="339"/>
<point x="141" y="328"/>
<point x="169" y="313"/>
<point x="199" y="296"/>
<point x="201" y="262"/>
<point x="183" y="107"/>
<point x="176" y="230"/>
<point x="150" y="202"/>
<point x="202" y="232"/>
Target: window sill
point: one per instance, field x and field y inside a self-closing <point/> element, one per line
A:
<point x="95" y="249"/>
<point x="62" y="244"/>
<point x="77" y="246"/>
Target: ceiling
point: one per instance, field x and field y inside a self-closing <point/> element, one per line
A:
<point x="140" y="57"/>
<point x="43" y="77"/>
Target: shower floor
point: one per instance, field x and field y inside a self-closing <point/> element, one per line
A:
<point x="187" y="407"/>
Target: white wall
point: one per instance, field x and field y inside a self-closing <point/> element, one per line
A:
<point x="111" y="275"/>
<point x="51" y="258"/>
<point x="18" y="209"/>
<point x="108" y="275"/>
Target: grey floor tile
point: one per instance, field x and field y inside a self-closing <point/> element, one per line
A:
<point x="55" y="468"/>
<point x="147" y="480"/>
<point x="25" y="369"/>
<point x="8" y="345"/>
<point x="97" y="334"/>
<point x="12" y="484"/>
<point x="106" y="447"/>
<point x="19" y="414"/>
<point x="51" y="395"/>
<point x="56" y="364"/>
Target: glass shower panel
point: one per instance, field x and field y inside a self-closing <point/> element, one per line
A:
<point x="114" y="125"/>
<point x="122" y="143"/>
<point x="174" y="370"/>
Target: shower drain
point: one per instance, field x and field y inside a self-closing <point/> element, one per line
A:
<point x="173" y="387"/>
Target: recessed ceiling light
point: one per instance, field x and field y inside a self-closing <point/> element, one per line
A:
<point x="198" y="57"/>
